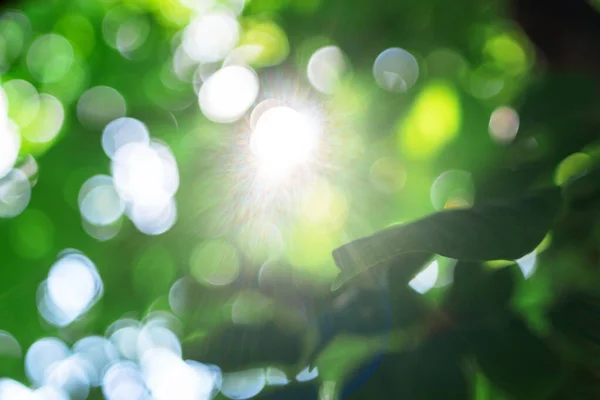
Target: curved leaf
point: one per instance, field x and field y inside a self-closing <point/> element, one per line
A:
<point x="404" y="268"/>
<point x="505" y="229"/>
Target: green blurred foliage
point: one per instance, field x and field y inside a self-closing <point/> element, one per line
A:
<point x="486" y="329"/>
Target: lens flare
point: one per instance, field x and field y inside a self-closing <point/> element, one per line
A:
<point x="283" y="139"/>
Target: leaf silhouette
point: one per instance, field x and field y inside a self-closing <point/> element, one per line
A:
<point x="504" y="229"/>
<point x="234" y="348"/>
<point x="431" y="371"/>
<point x="515" y="360"/>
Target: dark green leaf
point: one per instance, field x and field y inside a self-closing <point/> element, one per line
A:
<point x="432" y="371"/>
<point x="541" y="106"/>
<point x="235" y="348"/>
<point x="515" y="360"/>
<point x="401" y="270"/>
<point x="406" y="266"/>
<point x="408" y="307"/>
<point x="370" y="312"/>
<point x="578" y="315"/>
<point x="505" y="229"/>
<point x="362" y="313"/>
<point x="583" y="190"/>
<point x="478" y="292"/>
<point x="577" y="318"/>
<point x="293" y="391"/>
<point x="346" y="352"/>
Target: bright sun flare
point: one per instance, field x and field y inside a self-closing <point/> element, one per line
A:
<point x="284" y="139"/>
